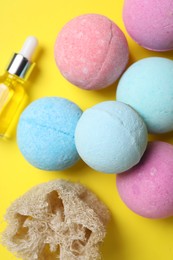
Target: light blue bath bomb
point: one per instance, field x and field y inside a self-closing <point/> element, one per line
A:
<point x="147" y="86"/>
<point x="111" y="137"/>
<point x="45" y="133"/>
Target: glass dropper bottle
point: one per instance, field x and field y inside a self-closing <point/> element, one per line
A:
<point x="13" y="96"/>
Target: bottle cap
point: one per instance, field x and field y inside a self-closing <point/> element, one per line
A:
<point x="21" y="64"/>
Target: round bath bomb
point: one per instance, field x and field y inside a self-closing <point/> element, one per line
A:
<point x="111" y="137"/>
<point x="91" y="51"/>
<point x="147" y="187"/>
<point x="147" y="87"/>
<point x="45" y="133"/>
<point x="150" y="23"/>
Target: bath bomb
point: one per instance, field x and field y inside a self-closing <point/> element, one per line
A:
<point x="147" y="86"/>
<point x="91" y="51"/>
<point x="150" y="23"/>
<point x="147" y="187"/>
<point x="111" y="137"/>
<point x="45" y="133"/>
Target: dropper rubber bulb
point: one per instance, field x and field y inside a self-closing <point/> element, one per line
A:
<point x="29" y="47"/>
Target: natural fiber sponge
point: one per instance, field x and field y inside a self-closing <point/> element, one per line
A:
<point x="91" y="51"/>
<point x="147" y="87"/>
<point x="150" y="23"/>
<point x="45" y="133"/>
<point x="147" y="188"/>
<point x="111" y="137"/>
<point x="56" y="220"/>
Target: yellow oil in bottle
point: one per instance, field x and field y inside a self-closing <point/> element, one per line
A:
<point x="13" y="99"/>
<point x="13" y="96"/>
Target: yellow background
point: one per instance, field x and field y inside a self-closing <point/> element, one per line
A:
<point x="129" y="237"/>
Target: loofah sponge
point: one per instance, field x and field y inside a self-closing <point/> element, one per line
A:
<point x="56" y="220"/>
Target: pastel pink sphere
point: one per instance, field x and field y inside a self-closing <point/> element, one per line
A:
<point x="147" y="188"/>
<point x="91" y="51"/>
<point x="150" y="23"/>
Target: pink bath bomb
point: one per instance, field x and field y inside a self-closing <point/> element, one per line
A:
<point x="91" y="51"/>
<point x="147" y="188"/>
<point x="150" y="23"/>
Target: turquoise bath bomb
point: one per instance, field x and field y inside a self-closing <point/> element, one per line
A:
<point x="45" y="133"/>
<point x="111" y="137"/>
<point x="147" y="86"/>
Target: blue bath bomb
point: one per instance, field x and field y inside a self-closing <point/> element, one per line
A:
<point x="45" y="133"/>
<point x="111" y="137"/>
<point x="147" y="86"/>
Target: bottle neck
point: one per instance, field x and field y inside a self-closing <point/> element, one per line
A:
<point x="20" y="66"/>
